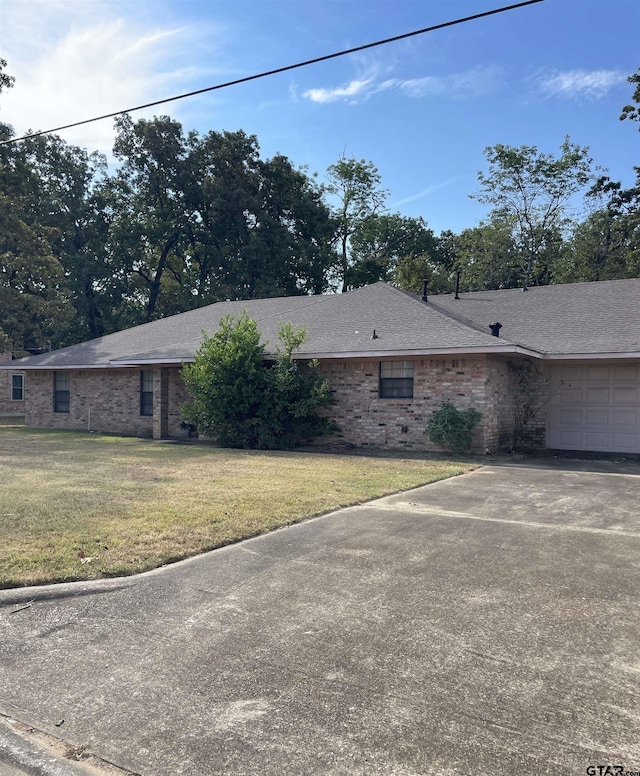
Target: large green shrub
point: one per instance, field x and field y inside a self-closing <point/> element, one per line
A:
<point x="243" y="401"/>
<point x="453" y="428"/>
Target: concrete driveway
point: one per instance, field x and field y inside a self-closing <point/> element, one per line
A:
<point x="488" y="624"/>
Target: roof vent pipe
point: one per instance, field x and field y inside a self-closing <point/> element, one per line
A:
<point x="495" y="328"/>
<point x="374" y="335"/>
<point x="424" y="291"/>
<point x="457" y="296"/>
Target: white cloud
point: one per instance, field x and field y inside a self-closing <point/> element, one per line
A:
<point x="470" y="83"/>
<point x="74" y="60"/>
<point x="351" y="90"/>
<point x="591" y="84"/>
<point x="476" y="82"/>
<point x="428" y="191"/>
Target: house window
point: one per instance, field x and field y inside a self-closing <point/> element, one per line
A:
<point x="396" y="380"/>
<point x="61" y="391"/>
<point x="17" y="387"/>
<point x="146" y="392"/>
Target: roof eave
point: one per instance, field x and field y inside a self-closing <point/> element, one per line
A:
<point x="50" y="367"/>
<point x="590" y="356"/>
<point x="151" y="361"/>
<point x="508" y="349"/>
<point x="329" y="355"/>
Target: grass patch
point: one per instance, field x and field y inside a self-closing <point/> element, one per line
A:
<point x="79" y="506"/>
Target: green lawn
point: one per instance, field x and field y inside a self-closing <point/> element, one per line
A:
<point x="80" y="506"/>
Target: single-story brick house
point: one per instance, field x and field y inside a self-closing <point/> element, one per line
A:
<point x="391" y="358"/>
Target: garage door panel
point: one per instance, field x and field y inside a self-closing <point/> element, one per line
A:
<point x="597" y="373"/>
<point x="571" y="373"/>
<point x="570" y="417"/>
<point x="571" y="440"/>
<point x="569" y="394"/>
<point x="626" y="373"/>
<point x="597" y="408"/>
<point x="624" y="443"/>
<point x="596" y="418"/>
<point x="624" y="395"/>
<point x="595" y="440"/>
<point x="625" y="418"/>
<point x="599" y="395"/>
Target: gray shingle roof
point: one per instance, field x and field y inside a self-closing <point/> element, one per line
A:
<point x="600" y="317"/>
<point x="338" y="324"/>
<point x="568" y="319"/>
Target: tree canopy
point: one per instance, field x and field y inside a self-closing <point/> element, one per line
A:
<point x="530" y="193"/>
<point x="186" y="219"/>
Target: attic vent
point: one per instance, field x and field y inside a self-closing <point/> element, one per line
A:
<point x="495" y="328"/>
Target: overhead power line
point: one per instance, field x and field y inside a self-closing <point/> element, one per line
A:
<point x="277" y="70"/>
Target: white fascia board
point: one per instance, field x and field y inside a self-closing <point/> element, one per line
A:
<point x="51" y="367"/>
<point x="590" y="356"/>
<point x="151" y="361"/>
<point x="504" y="349"/>
<point x="123" y="362"/>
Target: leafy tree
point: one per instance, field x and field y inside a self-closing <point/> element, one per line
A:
<point x="605" y="246"/>
<point x="241" y="401"/>
<point x="203" y="218"/>
<point x="435" y="263"/>
<point x="488" y="257"/>
<point x="532" y="192"/>
<point x="383" y="242"/>
<point x="64" y="186"/>
<point x="633" y="111"/>
<point x="148" y="199"/>
<point x="33" y="309"/>
<point x="6" y="80"/>
<point x="33" y="306"/>
<point x="297" y="230"/>
<point x="356" y="187"/>
<point x="257" y="228"/>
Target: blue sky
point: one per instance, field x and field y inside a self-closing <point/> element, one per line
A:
<point x="421" y="110"/>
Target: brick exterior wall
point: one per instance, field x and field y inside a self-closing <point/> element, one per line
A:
<point x="369" y="421"/>
<point x="534" y="436"/>
<point x="500" y="398"/>
<point x="107" y="401"/>
<point x="503" y="396"/>
<point x="365" y="420"/>
<point x="169" y="394"/>
<point x="103" y="400"/>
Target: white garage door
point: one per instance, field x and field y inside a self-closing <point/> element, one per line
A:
<point x="595" y="407"/>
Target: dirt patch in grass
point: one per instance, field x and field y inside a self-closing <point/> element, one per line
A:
<point x="79" y="506"/>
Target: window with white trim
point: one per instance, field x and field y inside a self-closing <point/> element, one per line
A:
<point x="146" y="392"/>
<point x="17" y="387"/>
<point x="396" y="380"/>
<point x="61" y="391"/>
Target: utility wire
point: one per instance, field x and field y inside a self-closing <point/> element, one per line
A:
<point x="285" y="69"/>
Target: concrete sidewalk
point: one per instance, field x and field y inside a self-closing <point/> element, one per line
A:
<point x="485" y="624"/>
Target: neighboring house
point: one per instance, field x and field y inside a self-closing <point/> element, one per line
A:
<point x="391" y="359"/>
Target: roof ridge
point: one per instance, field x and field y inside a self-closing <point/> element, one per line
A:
<point x="412" y="297"/>
<point x="477" y="327"/>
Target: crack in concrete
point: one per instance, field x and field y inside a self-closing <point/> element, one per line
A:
<point x="407" y="506"/>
